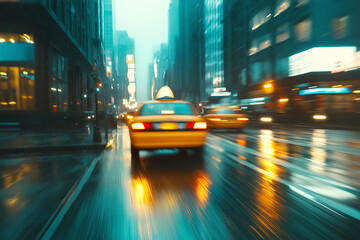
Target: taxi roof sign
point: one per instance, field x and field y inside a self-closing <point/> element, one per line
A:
<point x="164" y="93"/>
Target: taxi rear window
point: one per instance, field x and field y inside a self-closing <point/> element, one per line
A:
<point x="160" y="108"/>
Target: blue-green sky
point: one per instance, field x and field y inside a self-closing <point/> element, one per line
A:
<point x="147" y="22"/>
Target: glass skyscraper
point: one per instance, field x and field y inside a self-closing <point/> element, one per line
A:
<point x="214" y="61"/>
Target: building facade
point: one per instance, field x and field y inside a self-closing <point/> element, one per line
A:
<point x="188" y="69"/>
<point x="299" y="55"/>
<point x="46" y="56"/>
<point x="214" y="45"/>
<point x="126" y="70"/>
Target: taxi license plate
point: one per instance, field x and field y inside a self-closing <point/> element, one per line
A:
<point x="168" y="126"/>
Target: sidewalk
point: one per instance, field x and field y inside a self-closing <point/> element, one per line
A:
<point x="48" y="141"/>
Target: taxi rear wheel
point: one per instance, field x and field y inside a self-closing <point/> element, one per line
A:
<point x="134" y="153"/>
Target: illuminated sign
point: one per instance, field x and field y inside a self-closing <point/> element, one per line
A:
<point x="217" y="94"/>
<point x="132" y="89"/>
<point x="131" y="80"/>
<point x="254" y="101"/>
<point x="129" y="59"/>
<point x="131" y="73"/>
<point x="131" y="65"/>
<point x="108" y="71"/>
<point x="320" y="59"/>
<point x="220" y="89"/>
<point x="313" y="91"/>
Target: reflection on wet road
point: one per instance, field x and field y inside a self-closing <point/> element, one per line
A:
<point x="259" y="184"/>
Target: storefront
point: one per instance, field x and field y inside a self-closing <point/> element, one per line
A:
<point x="17" y="74"/>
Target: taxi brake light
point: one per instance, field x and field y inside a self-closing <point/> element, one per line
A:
<point x="140" y="126"/>
<point x="242" y="119"/>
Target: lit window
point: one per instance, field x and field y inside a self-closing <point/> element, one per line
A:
<point x="339" y="26"/>
<point x="16" y="37"/>
<point x="254" y="48"/>
<point x="260" y="18"/>
<point x="300" y="3"/>
<point x="17" y="85"/>
<point x="303" y="30"/>
<point x="282" y="33"/>
<point x="281" y="6"/>
<point x="265" y="42"/>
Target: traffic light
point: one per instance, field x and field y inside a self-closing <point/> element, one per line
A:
<point x="99" y="84"/>
<point x="200" y="104"/>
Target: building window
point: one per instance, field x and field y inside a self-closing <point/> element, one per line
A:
<point x="265" y="42"/>
<point x="339" y="27"/>
<point x="16" y="38"/>
<point x="282" y="68"/>
<point x="59" y="96"/>
<point x="17" y="88"/>
<point x="260" y="18"/>
<point x="303" y="30"/>
<point x="300" y="3"/>
<point x="254" y="48"/>
<point x="282" y="33"/>
<point x="281" y="6"/>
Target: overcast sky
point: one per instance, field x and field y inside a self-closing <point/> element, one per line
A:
<point x="147" y="22"/>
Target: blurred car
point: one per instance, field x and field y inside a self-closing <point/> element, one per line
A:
<point x="167" y="123"/>
<point x="226" y="117"/>
<point x="89" y="116"/>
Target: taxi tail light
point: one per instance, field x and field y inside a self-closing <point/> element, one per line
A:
<point x="243" y="119"/>
<point x="140" y="126"/>
<point x="196" y="125"/>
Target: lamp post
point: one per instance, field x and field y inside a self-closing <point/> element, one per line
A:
<point x="106" y="106"/>
<point x="97" y="133"/>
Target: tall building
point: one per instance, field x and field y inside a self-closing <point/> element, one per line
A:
<point x="160" y="66"/>
<point x="235" y="27"/>
<point x="109" y="37"/>
<point x="125" y="69"/>
<point x="214" y="46"/>
<point x="46" y="54"/>
<point x="188" y="69"/>
<point x="173" y="39"/>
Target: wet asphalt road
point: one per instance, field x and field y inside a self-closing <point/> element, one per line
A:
<point x="280" y="183"/>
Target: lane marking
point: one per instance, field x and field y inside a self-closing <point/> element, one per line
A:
<point x="317" y="198"/>
<point x="54" y="221"/>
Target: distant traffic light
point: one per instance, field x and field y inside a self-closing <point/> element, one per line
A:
<point x="99" y="84"/>
<point x="200" y="104"/>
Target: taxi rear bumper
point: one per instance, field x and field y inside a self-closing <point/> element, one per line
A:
<point x="227" y="124"/>
<point x="167" y="139"/>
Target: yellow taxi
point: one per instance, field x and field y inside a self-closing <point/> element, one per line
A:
<point x="167" y="123"/>
<point x="226" y="117"/>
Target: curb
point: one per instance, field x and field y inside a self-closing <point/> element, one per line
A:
<point x="53" y="148"/>
<point x="56" y="218"/>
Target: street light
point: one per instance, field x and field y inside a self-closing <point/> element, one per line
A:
<point x="97" y="133"/>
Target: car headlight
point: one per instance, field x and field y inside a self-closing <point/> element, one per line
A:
<point x="319" y="117"/>
<point x="266" y="119"/>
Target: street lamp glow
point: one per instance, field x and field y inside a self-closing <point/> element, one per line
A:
<point x="98" y="89"/>
<point x="319" y="117"/>
<point x="269" y="85"/>
<point x="282" y="100"/>
<point x="85" y="95"/>
<point x="266" y="119"/>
